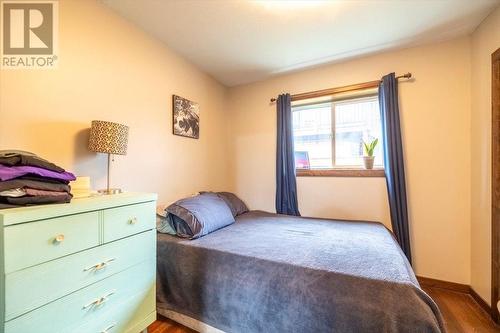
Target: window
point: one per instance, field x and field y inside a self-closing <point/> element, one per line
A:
<point x="329" y="134"/>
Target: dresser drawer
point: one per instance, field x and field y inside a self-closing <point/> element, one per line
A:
<point x="88" y="307"/>
<point x="60" y="277"/>
<point x="33" y="243"/>
<point x="124" y="221"/>
<point x="130" y="316"/>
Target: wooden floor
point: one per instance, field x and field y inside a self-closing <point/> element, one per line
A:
<point x="461" y="315"/>
<point x="461" y="312"/>
<point x="165" y="325"/>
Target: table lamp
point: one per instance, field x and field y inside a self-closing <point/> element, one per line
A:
<point x="110" y="138"/>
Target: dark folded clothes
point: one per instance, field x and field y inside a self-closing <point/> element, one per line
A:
<point x="29" y="200"/>
<point x="32" y="179"/>
<point x="12" y="158"/>
<point x="8" y="173"/>
<point x="44" y="179"/>
<point x="39" y="184"/>
<point x="5" y="206"/>
<point x="41" y="193"/>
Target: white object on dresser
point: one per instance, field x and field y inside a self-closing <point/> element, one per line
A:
<point x="83" y="267"/>
<point x="80" y="188"/>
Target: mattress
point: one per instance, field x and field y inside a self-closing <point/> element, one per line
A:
<point x="277" y="273"/>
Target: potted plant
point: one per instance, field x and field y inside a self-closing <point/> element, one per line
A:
<point x="368" y="159"/>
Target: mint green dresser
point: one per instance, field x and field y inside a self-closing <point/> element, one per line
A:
<point x="84" y="267"/>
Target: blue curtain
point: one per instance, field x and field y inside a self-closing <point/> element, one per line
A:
<point x="286" y="185"/>
<point x="393" y="161"/>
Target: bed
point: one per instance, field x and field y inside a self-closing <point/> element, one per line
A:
<point x="277" y="273"/>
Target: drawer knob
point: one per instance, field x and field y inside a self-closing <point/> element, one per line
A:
<point x="99" y="266"/>
<point x="107" y="329"/>
<point x="59" y="239"/>
<point x="132" y="220"/>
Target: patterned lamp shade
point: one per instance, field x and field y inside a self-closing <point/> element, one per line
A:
<point x="108" y="137"/>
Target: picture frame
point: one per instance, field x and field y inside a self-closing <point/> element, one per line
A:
<point x="185" y="117"/>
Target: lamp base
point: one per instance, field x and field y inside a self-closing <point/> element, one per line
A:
<point x="110" y="191"/>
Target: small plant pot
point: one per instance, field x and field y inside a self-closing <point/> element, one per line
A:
<point x="368" y="160"/>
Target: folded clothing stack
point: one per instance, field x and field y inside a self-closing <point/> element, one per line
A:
<point x="27" y="179"/>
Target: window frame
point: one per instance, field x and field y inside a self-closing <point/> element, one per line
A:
<point x="341" y="171"/>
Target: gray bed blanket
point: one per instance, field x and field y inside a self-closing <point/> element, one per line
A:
<point x="277" y="273"/>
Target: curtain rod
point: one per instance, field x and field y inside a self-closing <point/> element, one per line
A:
<point x="331" y="91"/>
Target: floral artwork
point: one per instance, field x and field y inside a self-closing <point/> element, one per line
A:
<point x="186" y="117"/>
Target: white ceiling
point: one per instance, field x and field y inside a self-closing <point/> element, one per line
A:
<point x="241" y="41"/>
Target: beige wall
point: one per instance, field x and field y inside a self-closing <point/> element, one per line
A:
<point x="111" y="70"/>
<point x="485" y="40"/>
<point x="435" y="110"/>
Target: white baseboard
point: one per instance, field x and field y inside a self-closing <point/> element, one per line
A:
<point x="189" y="322"/>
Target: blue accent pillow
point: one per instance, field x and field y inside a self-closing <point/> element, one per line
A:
<point x="234" y="203"/>
<point x="197" y="216"/>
